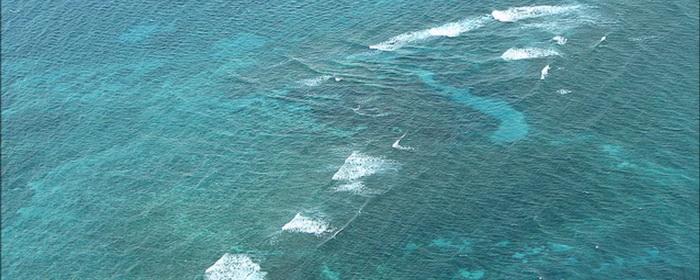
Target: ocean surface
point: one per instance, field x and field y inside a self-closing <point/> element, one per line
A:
<point x="383" y="139"/>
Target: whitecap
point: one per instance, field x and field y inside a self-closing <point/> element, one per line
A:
<point x="563" y="91"/>
<point x="305" y="224"/>
<point x="517" y="13"/>
<point x="356" y="187"/>
<point x="560" y="40"/>
<point x="234" y="267"/>
<point x="312" y="82"/>
<point x="602" y="39"/>
<point x="527" y="53"/>
<point x="398" y="146"/>
<point x="545" y="72"/>
<point x="452" y="29"/>
<point x="358" y="165"/>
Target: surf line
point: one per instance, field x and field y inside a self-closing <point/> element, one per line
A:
<point x="512" y="127"/>
<point x="450" y="30"/>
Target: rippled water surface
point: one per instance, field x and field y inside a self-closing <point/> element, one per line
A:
<point x="350" y="140"/>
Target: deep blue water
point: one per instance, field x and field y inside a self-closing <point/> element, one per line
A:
<point x="214" y="139"/>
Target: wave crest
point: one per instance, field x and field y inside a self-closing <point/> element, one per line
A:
<point x="397" y="144"/>
<point x="517" y="13"/>
<point x="452" y="29"/>
<point x="527" y="53"/>
<point x="303" y="224"/>
<point x="545" y="72"/>
<point x="560" y="40"/>
<point x="234" y="267"/>
<point x="356" y="187"/>
<point x="359" y="165"/>
<point x="312" y="82"/>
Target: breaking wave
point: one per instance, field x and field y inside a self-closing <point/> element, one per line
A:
<point x="359" y="165"/>
<point x="312" y="82"/>
<point x="305" y="224"/>
<point x="527" y="53"/>
<point x="518" y="13"/>
<point x="545" y="72"/>
<point x="563" y="91"/>
<point x="234" y="267"/>
<point x="560" y="40"/>
<point x="356" y="187"/>
<point x="452" y="29"/>
<point x="397" y="144"/>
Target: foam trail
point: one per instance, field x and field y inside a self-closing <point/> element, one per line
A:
<point x="355" y="187"/>
<point x="560" y="40"/>
<point x="518" y="13"/>
<point x="398" y="146"/>
<point x="358" y="165"/>
<point x="545" y="72"/>
<point x="234" y="267"/>
<point x="527" y="53"/>
<point x="312" y="82"/>
<point x="563" y="91"/>
<point x="305" y="224"/>
<point x="452" y="29"/>
<point x="513" y="126"/>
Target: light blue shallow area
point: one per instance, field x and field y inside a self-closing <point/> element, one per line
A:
<point x="512" y="125"/>
<point x="147" y="140"/>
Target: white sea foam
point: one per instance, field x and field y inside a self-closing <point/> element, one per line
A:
<point x="234" y="267"/>
<point x="560" y="40"/>
<point x="527" y="53"/>
<point x="518" y="13"/>
<point x="563" y="91"/>
<point x="398" y="146"/>
<point x="312" y="82"/>
<point x="355" y="187"/>
<point x="305" y="224"/>
<point x="545" y="72"/>
<point x="358" y="165"/>
<point x="602" y="39"/>
<point x="452" y="29"/>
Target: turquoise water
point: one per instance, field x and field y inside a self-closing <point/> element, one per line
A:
<point x="205" y="140"/>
